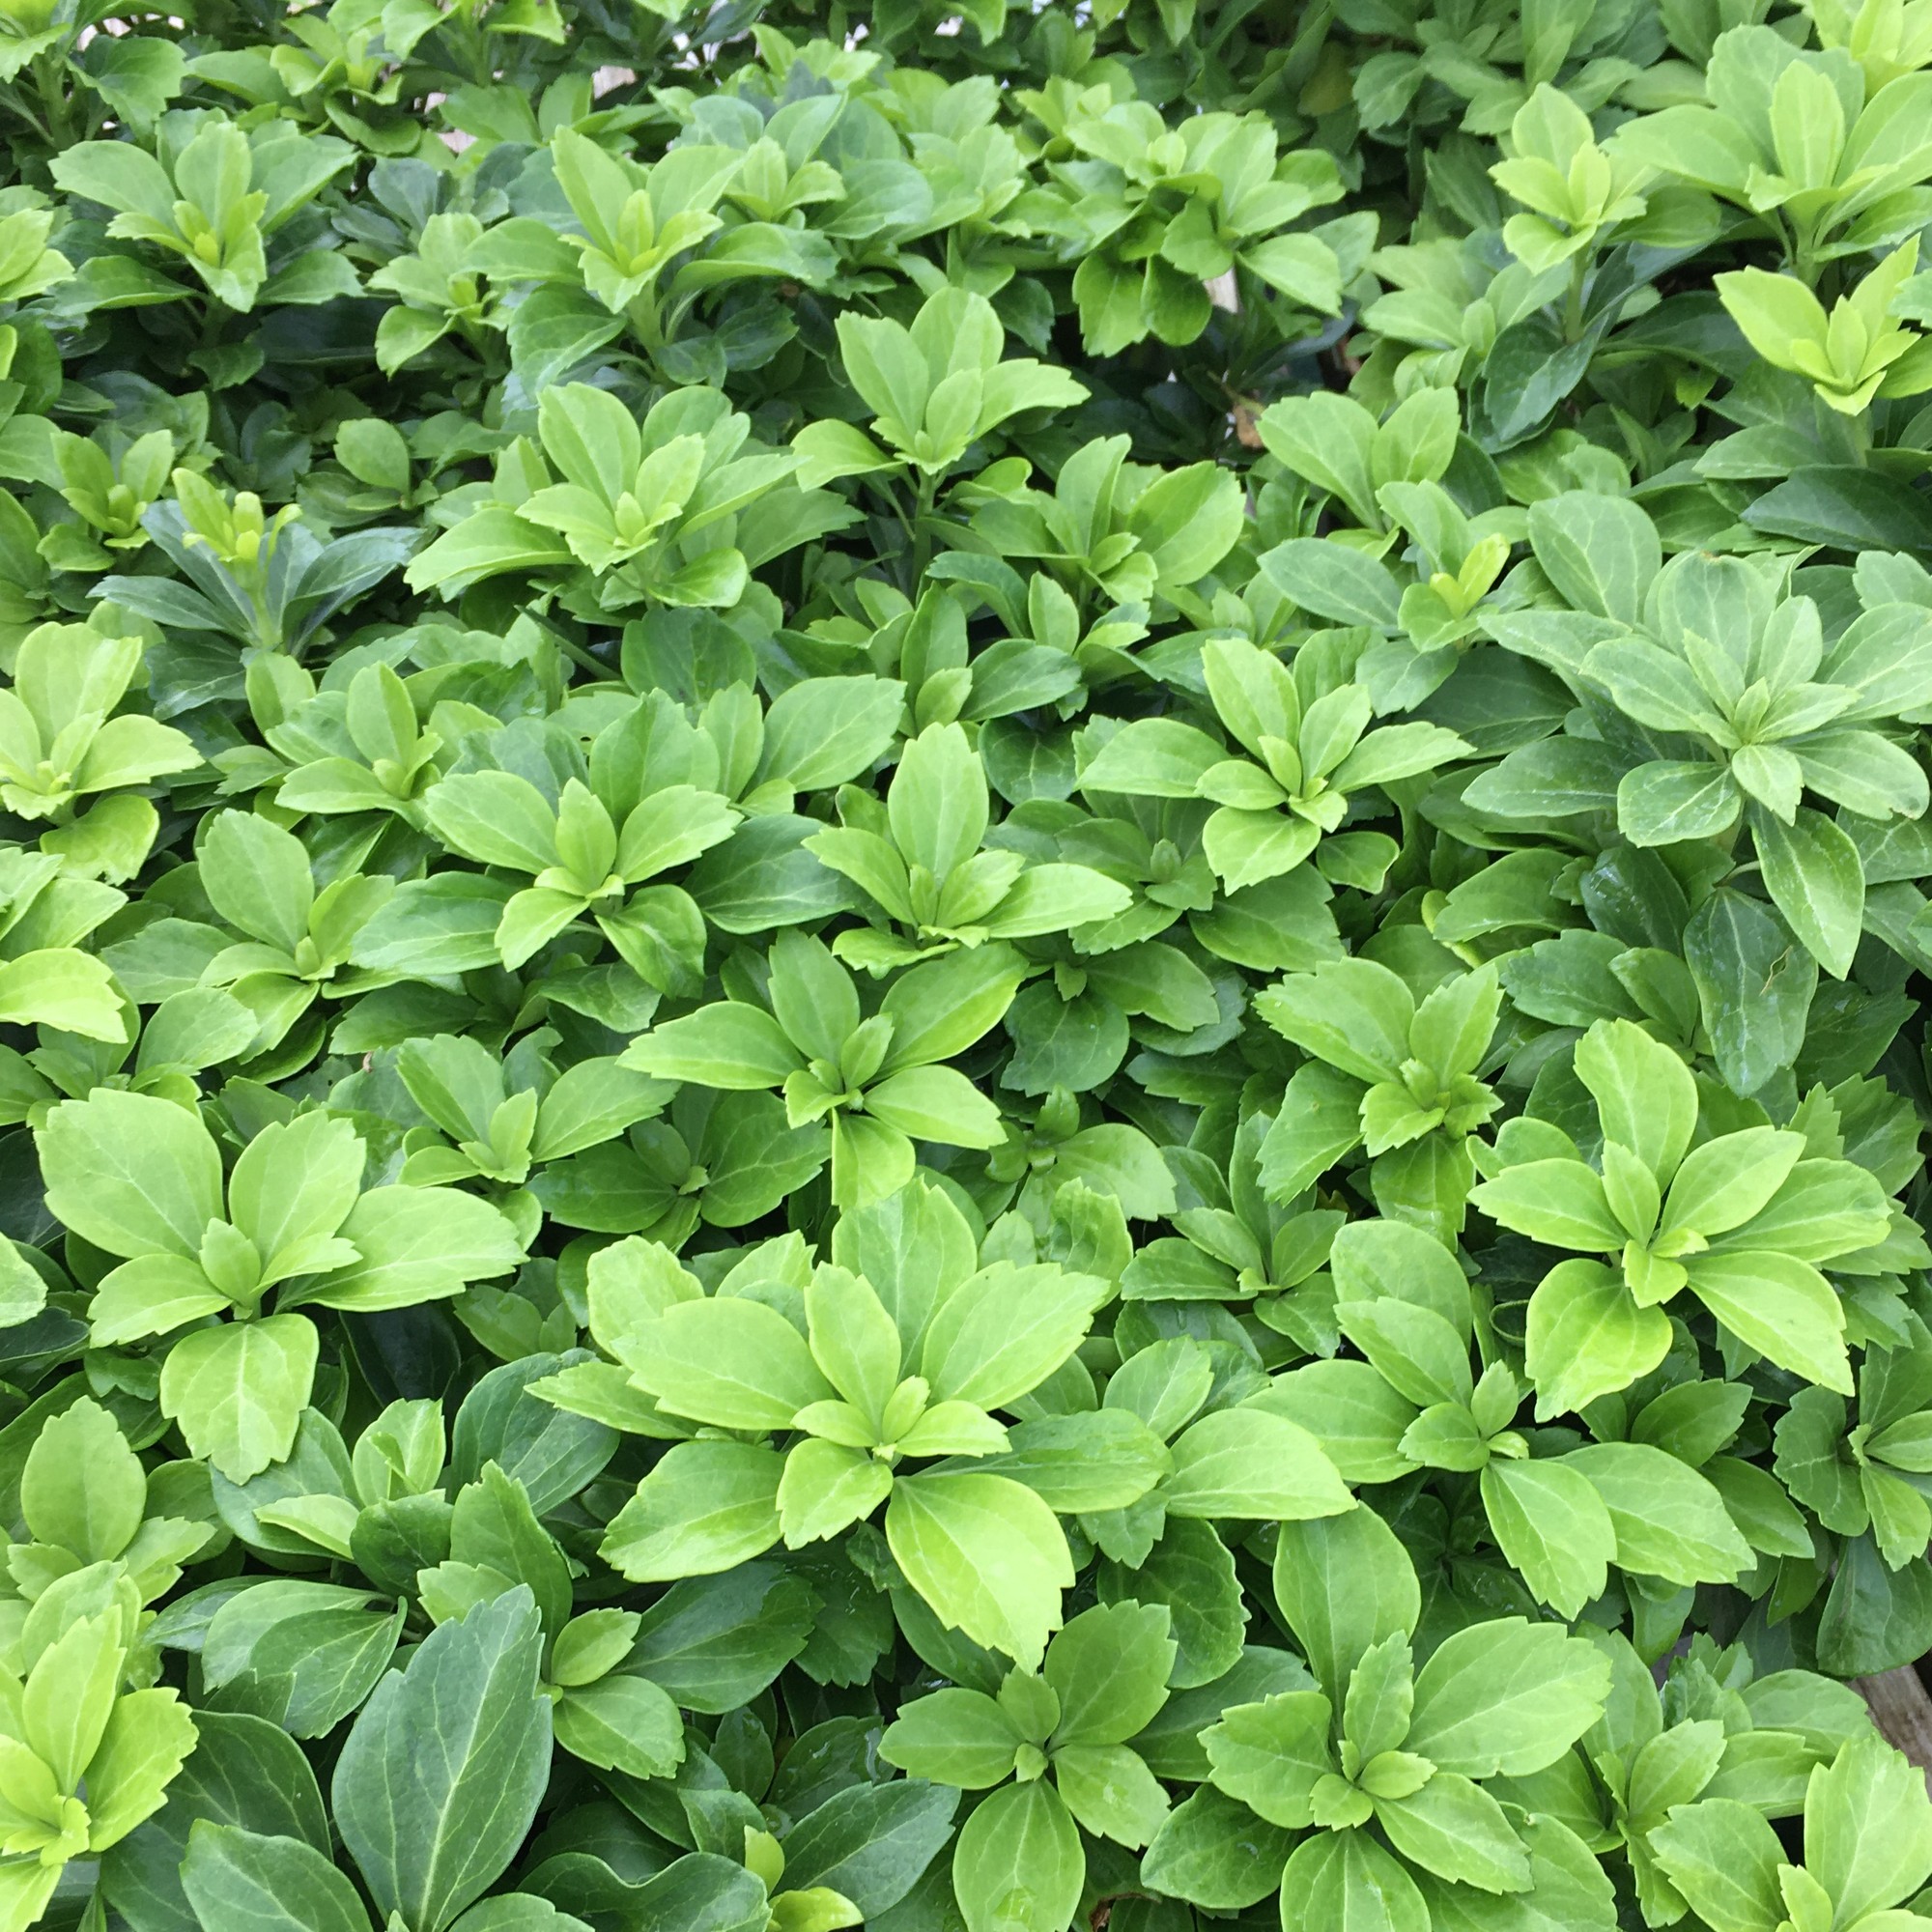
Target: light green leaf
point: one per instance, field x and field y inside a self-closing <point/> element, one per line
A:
<point x="1723" y="1858"/>
<point x="731" y="1361"/>
<point x="238" y="1391"/>
<point x="986" y="1554"/>
<point x="1018" y="1866"/>
<point x="1587" y="1337"/>
<point x="1250" y="1462"/>
<point x="1554" y="1526"/>
<point x="131" y="1173"/>
<point x="1344" y="1583"/>
<point x="1344" y="1878"/>
<point x="1506" y="1696"/>
<point x="1816" y="881"/>
<point x="705" y="1507"/>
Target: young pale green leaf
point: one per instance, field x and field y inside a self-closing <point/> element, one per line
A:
<point x="1018" y="1861"/>
<point x="1343" y="1583"/>
<point x="705" y="1507"/>
<point x="1506" y="1697"/>
<point x="238" y="1391"/>
<point x="987" y="1554"/>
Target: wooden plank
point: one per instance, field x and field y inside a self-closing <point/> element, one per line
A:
<point x="1902" y="1710"/>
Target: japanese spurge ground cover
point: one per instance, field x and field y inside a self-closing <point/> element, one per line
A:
<point x="960" y="966"/>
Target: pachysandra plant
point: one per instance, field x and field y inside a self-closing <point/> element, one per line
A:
<point x="879" y="1080"/>
<point x="1792" y="136"/>
<point x="28" y="266"/>
<point x="360" y="750"/>
<point x="723" y="1159"/>
<point x="1336" y="443"/>
<point x="638" y="222"/>
<point x="212" y="197"/>
<point x="584" y="853"/>
<point x="59" y="985"/>
<point x="1151" y="213"/>
<point x="87" y="1758"/>
<point x="1742" y="1220"/>
<point x="86" y="1502"/>
<point x="1367" y="1784"/>
<point x="1060" y="1733"/>
<point x="1863" y="1475"/>
<point x="1309" y="752"/>
<point x="1867" y="1849"/>
<point x="141" y="1178"/>
<point x="1708" y="656"/>
<point x="923" y="860"/>
<point x="865" y="1387"/>
<point x="1415" y="1401"/>
<point x="1848" y="355"/>
<point x="288" y="944"/>
<point x="1885" y="42"/>
<point x="934" y="388"/>
<point x="963" y="967"/>
<point x="111" y="491"/>
<point x="1714" y="1730"/>
<point x="1239" y="1242"/>
<point x="640" y="505"/>
<point x="1571" y="187"/>
<point x="68" y="760"/>
<point x="1386" y="1071"/>
<point x="1123" y="530"/>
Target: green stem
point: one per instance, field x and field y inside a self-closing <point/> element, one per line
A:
<point x="1795" y="244"/>
<point x="49" y="72"/>
<point x="477" y="47"/>
<point x="928" y="487"/>
<point x="581" y="658"/>
<point x="642" y="312"/>
<point x="908" y="520"/>
<point x="1572" y="307"/>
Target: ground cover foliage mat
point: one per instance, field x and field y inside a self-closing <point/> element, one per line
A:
<point x="961" y="969"/>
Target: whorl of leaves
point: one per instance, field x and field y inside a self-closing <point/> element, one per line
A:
<point x="960" y="966"/>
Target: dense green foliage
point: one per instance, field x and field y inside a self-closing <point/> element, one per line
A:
<point x="961" y="969"/>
